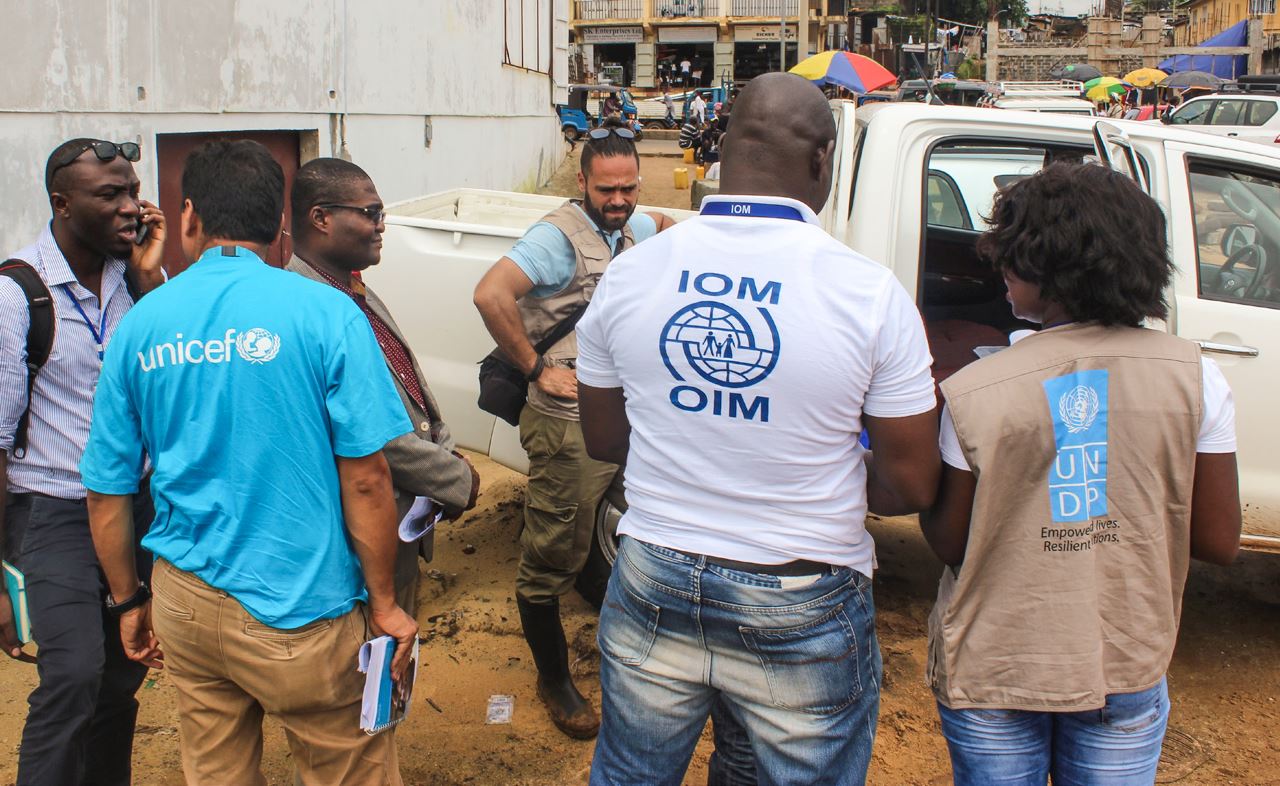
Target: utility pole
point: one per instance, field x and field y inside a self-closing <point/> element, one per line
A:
<point x="782" y="36"/>
<point x="802" y="30"/>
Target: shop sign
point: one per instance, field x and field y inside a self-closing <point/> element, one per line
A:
<point x="627" y="34"/>
<point x="761" y="32"/>
<point x="687" y="35"/>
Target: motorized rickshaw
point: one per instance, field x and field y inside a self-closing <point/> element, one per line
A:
<point x="576" y="117"/>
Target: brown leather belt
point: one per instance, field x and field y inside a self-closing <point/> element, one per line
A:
<point x="799" y="567"/>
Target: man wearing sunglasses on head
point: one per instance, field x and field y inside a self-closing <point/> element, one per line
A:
<point x="337" y="225"/>
<point x="80" y="725"/>
<point x="548" y="277"/>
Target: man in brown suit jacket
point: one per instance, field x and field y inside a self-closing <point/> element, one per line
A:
<point x="337" y="226"/>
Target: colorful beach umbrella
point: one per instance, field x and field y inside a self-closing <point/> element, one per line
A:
<point x="1145" y="77"/>
<point x="1103" y="88"/>
<point x="852" y="72"/>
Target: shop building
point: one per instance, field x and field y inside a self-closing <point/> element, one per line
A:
<point x="648" y="44"/>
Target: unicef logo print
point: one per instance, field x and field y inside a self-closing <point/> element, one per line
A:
<point x="720" y="344"/>
<point x="258" y="345"/>
<point x="1078" y="408"/>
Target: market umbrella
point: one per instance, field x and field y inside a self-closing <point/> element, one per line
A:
<point x="1145" y="77"/>
<point x="852" y="72"/>
<point x="1184" y="79"/>
<point x="1080" y="72"/>
<point x="1103" y="88"/>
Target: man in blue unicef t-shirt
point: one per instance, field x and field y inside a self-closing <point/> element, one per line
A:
<point x="263" y="402"/>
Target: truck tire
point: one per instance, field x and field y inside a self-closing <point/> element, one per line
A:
<point x="657" y="124"/>
<point x="570" y="132"/>
<point x="593" y="580"/>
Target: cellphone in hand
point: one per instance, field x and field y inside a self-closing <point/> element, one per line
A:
<point x="140" y="235"/>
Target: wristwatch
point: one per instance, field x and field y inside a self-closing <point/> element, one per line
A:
<point x="536" y="371"/>
<point x="132" y="602"/>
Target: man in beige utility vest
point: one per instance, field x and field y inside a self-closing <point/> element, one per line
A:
<point x="547" y="277"/>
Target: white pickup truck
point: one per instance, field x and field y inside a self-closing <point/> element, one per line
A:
<point x="911" y="185"/>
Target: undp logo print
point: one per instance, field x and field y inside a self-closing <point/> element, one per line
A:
<point x="720" y="344"/>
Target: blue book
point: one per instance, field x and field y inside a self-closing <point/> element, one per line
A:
<point x="17" y="586"/>
<point x="386" y="702"/>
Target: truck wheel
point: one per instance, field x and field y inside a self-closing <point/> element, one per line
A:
<point x="659" y="124"/>
<point x="570" y="133"/>
<point x="593" y="580"/>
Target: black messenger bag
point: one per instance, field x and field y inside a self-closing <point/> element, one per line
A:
<point x="503" y="387"/>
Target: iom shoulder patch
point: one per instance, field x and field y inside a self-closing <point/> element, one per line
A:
<point x="1078" y="475"/>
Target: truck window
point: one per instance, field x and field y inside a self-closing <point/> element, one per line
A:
<point x="1193" y="114"/>
<point x="1260" y="112"/>
<point x="1228" y="113"/>
<point x="1237" y="224"/>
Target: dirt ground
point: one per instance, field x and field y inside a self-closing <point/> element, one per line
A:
<point x="1225" y="726"/>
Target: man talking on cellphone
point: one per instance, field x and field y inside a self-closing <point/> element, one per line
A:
<point x="91" y="268"/>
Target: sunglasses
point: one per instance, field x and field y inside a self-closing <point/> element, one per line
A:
<point x="105" y="151"/>
<point x="603" y="133"/>
<point x="374" y="214"/>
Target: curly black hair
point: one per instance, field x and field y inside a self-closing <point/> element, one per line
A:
<point x="1092" y="241"/>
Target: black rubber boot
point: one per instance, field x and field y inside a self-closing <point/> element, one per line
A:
<point x="570" y="712"/>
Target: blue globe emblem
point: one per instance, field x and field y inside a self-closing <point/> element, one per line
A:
<point x="719" y="344"/>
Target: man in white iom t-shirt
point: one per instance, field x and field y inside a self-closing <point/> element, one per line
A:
<point x="732" y="363"/>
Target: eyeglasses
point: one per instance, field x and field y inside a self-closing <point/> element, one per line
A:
<point x="374" y="214"/>
<point x="105" y="151"/>
<point x="603" y="133"/>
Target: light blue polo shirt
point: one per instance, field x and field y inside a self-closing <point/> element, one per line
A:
<point x="242" y="382"/>
<point x="546" y="255"/>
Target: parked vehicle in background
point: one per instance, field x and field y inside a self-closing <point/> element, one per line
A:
<point x="1060" y="97"/>
<point x="911" y="186"/>
<point x="953" y="92"/>
<point x="653" y="111"/>
<point x="1247" y="116"/>
<point x="577" y="118"/>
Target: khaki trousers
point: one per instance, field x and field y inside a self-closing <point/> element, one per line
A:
<point x="565" y="486"/>
<point x="229" y="669"/>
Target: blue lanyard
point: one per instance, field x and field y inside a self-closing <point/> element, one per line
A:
<point x="751" y="210"/>
<point x="102" y="317"/>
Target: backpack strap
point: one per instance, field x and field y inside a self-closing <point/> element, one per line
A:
<point x="39" y="335"/>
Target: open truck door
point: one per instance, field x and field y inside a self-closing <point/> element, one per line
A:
<point x="1224" y="227"/>
<point x="1112" y="145"/>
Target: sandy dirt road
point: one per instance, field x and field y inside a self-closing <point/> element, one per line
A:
<point x="1224" y="680"/>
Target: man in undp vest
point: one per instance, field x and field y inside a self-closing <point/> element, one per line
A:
<point x="548" y="276"/>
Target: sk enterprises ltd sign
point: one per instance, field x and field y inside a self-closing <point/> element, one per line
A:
<point x="762" y="32"/>
<point x="627" y="34"/>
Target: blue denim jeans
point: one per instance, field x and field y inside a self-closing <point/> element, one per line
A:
<point x="1118" y="745"/>
<point x="794" y="659"/>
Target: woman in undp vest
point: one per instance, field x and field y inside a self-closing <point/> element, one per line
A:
<point x="1085" y="465"/>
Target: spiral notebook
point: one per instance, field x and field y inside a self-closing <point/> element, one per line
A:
<point x="386" y="703"/>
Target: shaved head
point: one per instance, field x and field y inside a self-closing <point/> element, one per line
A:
<point x="781" y="141"/>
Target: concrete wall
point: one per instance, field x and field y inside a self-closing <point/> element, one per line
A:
<point x="367" y="79"/>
